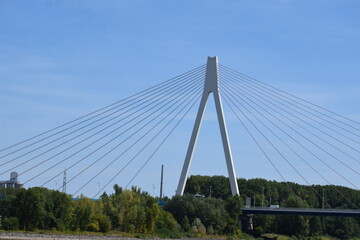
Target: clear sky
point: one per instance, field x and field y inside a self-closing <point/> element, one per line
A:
<point x="61" y="59"/>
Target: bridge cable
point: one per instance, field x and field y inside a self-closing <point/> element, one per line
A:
<point x="269" y="93"/>
<point x="134" y="118"/>
<point x="159" y="146"/>
<point x="239" y="85"/>
<point x="158" y="89"/>
<point x="267" y="86"/>
<point x="132" y="145"/>
<point x="151" y="140"/>
<point x="352" y="169"/>
<point x="67" y="141"/>
<point x="169" y="93"/>
<point x="128" y="129"/>
<point x="141" y="93"/>
<point x="267" y="139"/>
<point x="258" y="144"/>
<point x="287" y="145"/>
<point x="232" y="87"/>
<point x="316" y="122"/>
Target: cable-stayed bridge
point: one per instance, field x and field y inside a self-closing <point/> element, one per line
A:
<point x="286" y="129"/>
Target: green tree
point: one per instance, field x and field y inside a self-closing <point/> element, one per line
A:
<point x="83" y="212"/>
<point x="210" y="211"/>
<point x="185" y="224"/>
<point x="315" y="226"/>
<point x="294" y="225"/>
<point x="10" y="223"/>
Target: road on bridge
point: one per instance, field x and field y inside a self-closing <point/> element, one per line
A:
<point x="303" y="211"/>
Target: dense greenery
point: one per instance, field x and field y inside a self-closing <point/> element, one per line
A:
<point x="216" y="213"/>
<point x="281" y="194"/>
<point x="206" y="215"/>
<point x="127" y="211"/>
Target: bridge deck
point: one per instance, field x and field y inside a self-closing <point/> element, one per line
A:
<point x="303" y="212"/>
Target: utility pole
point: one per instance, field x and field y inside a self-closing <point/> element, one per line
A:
<point x="161" y="181"/>
<point x="263" y="196"/>
<point x="211" y="85"/>
<point x="323" y="199"/>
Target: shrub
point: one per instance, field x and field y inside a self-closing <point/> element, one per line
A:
<point x="11" y="223"/>
<point x="210" y="230"/>
<point x="93" y="227"/>
<point x="185" y="224"/>
<point x="258" y="231"/>
<point x="104" y="224"/>
<point x="198" y="227"/>
<point x="166" y="221"/>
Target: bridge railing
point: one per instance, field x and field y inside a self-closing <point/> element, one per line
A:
<point x="302" y="209"/>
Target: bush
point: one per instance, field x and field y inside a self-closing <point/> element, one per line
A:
<point x="198" y="227"/>
<point x="166" y="221"/>
<point x="93" y="227"/>
<point x="258" y="231"/>
<point x="185" y="224"/>
<point x="104" y="224"/>
<point x="210" y="230"/>
<point x="11" y="223"/>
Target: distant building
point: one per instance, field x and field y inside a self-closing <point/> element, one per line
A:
<point x="12" y="183"/>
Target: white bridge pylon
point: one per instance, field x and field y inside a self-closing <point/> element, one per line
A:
<point x="211" y="86"/>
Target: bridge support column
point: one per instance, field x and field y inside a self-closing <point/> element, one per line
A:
<point x="247" y="223"/>
<point x="211" y="86"/>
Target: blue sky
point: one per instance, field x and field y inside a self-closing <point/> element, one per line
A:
<point x="61" y="59"/>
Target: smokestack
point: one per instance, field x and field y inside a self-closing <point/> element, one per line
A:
<point x="161" y="181"/>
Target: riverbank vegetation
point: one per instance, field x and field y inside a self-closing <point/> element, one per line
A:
<point x="213" y="212"/>
<point x="288" y="194"/>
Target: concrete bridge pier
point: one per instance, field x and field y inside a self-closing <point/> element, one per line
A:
<point x="247" y="222"/>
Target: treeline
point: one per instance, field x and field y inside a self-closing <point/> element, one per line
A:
<point x="215" y="212"/>
<point x="207" y="215"/>
<point x="130" y="211"/>
<point x="287" y="194"/>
